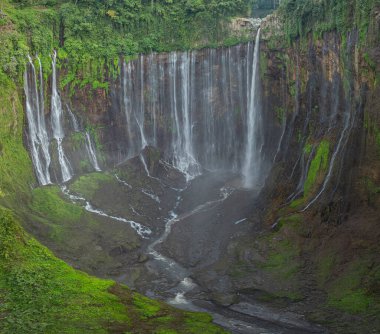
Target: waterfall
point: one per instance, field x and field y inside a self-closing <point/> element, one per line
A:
<point x="133" y="88"/>
<point x="38" y="138"/>
<point x="252" y="158"/>
<point x="74" y="121"/>
<point x="127" y="103"/>
<point x="56" y="122"/>
<point x="91" y="153"/>
<point x="153" y="94"/>
<point x="182" y="141"/>
<point x="191" y="105"/>
<point x="141" y="116"/>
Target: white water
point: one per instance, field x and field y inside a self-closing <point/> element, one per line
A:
<point x="140" y="229"/>
<point x="56" y="122"/>
<point x="193" y="106"/>
<point x="169" y="267"/>
<point x="341" y="143"/>
<point x="74" y="120"/>
<point x="153" y="74"/>
<point x="38" y="138"/>
<point x="122" y="181"/>
<point x="141" y="116"/>
<point x="145" y="165"/>
<point x="127" y="88"/>
<point x="182" y="142"/>
<point x="252" y="159"/>
<point x="91" y="153"/>
<point x="224" y="194"/>
<point x="151" y="195"/>
<point x="240" y="221"/>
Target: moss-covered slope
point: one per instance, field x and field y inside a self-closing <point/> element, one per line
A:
<point x="41" y="294"/>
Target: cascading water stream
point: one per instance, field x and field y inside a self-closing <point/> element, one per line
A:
<point x="347" y="127"/>
<point x="56" y="122"/>
<point x="252" y="160"/>
<point x="141" y="116"/>
<point x="91" y="153"/>
<point x="74" y="121"/>
<point x="172" y="269"/>
<point x="183" y="155"/>
<point x="44" y="139"/>
<point x="38" y="138"/>
<point x="143" y="231"/>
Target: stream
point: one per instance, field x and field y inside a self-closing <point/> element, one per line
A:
<point x="174" y="282"/>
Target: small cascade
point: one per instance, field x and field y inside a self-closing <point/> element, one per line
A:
<point x="38" y="138"/>
<point x="252" y="159"/>
<point x="343" y="138"/>
<point x="57" y="126"/>
<point x="125" y="183"/>
<point x="151" y="195"/>
<point x="91" y="153"/>
<point x="74" y="121"/>
<point x="142" y="159"/>
<point x="143" y="231"/>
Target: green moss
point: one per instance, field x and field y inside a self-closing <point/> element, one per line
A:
<point x="41" y="294"/>
<point x="308" y="148"/>
<point x="15" y="166"/>
<point x="77" y="140"/>
<point x="297" y="203"/>
<point x="281" y="114"/>
<point x="283" y="259"/>
<point x="88" y="184"/>
<point x="48" y="203"/>
<point x="195" y="323"/>
<point x="325" y="267"/>
<point x="146" y="307"/>
<point x="348" y="292"/>
<point x="353" y="302"/>
<point x="318" y="165"/>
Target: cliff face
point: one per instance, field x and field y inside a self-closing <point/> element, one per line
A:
<point x="321" y="198"/>
<point x="191" y="105"/>
<point x="313" y="236"/>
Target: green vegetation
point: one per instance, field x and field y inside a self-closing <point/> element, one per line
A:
<point x="47" y="202"/>
<point x="317" y="169"/>
<point x="15" y="166"/>
<point x="318" y="164"/>
<point x="90" y="36"/>
<point x="283" y="259"/>
<point x="88" y="184"/>
<point x="35" y="285"/>
<point x="349" y="292"/>
<point x="304" y="16"/>
<point x="325" y="268"/>
<point x="281" y="114"/>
